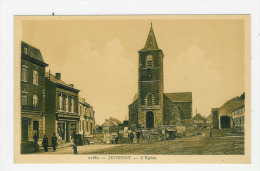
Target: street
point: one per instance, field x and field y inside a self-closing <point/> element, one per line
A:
<point x="224" y="142"/>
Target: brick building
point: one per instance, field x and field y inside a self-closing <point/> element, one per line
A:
<point x="152" y="107"/>
<point x="86" y="124"/>
<point x="32" y="92"/>
<point x="61" y="108"/>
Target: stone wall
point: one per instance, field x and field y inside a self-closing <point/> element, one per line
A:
<point x="133" y="112"/>
<point x="171" y="113"/>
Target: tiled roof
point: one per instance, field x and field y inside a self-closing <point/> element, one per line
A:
<point x="31" y="51"/>
<point x="111" y="122"/>
<point x="55" y="80"/>
<point x="232" y="104"/>
<point x="180" y="97"/>
<point x="198" y="117"/>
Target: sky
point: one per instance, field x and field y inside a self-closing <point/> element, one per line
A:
<point x="100" y="57"/>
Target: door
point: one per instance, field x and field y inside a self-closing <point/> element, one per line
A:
<point x="149" y="119"/>
<point x="24" y="130"/>
<point x="36" y="128"/>
<point x="67" y="132"/>
<point x="225" y="121"/>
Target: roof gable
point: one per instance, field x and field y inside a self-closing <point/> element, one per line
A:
<point x="231" y="105"/>
<point x="58" y="81"/>
<point x="198" y="117"/>
<point x="31" y="51"/>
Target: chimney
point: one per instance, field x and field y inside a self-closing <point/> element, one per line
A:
<point x="58" y="75"/>
<point x="71" y="85"/>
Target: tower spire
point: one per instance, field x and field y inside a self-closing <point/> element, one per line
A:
<point x="151" y="43"/>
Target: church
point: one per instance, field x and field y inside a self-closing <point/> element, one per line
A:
<point x="151" y="107"/>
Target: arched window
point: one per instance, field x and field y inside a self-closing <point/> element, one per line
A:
<point x="149" y="61"/>
<point x="149" y="99"/>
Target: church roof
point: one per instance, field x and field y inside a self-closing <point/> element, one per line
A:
<point x="180" y="97"/>
<point x="135" y="97"/>
<point x="151" y="43"/>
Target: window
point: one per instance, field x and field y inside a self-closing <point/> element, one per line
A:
<point x="149" y="61"/>
<point x="149" y="99"/>
<point x="24" y="99"/>
<point x="66" y="104"/>
<point x="24" y="73"/>
<point x="80" y="109"/>
<point x="36" y="127"/>
<point x="90" y="127"/>
<point x="72" y="105"/>
<point x="35" y="77"/>
<point x="35" y="100"/>
<point x="61" y="102"/>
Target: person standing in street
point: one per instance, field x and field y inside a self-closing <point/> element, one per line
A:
<point x="138" y="135"/>
<point x="131" y="136"/>
<point x="45" y="143"/>
<point x="54" y="142"/>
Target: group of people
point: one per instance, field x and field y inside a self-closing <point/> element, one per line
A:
<point x="131" y="136"/>
<point x="44" y="142"/>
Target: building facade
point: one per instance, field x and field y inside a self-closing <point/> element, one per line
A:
<point x="86" y="124"/>
<point x="238" y="117"/>
<point x="152" y="107"/>
<point x="61" y="108"/>
<point x="32" y="93"/>
<point x="223" y="117"/>
<point x="199" y="121"/>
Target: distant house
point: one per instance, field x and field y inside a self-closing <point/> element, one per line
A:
<point x="224" y="116"/>
<point x="87" y="118"/>
<point x="199" y="120"/>
<point x="111" y="124"/>
<point x="209" y="120"/>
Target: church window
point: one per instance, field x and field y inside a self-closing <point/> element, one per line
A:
<point x="149" y="99"/>
<point x="149" y="61"/>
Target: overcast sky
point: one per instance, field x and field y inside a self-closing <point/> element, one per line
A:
<point x="100" y="57"/>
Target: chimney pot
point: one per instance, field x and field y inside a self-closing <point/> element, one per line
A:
<point x="58" y="75"/>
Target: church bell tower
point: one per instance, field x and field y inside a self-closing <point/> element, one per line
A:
<point x="150" y="82"/>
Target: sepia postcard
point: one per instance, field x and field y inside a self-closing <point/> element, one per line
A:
<point x="132" y="89"/>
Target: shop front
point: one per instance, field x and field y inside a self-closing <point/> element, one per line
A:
<point x="66" y="127"/>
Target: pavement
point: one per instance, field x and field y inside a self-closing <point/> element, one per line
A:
<point x="81" y="149"/>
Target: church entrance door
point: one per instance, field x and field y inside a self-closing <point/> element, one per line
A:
<point x="149" y="119"/>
